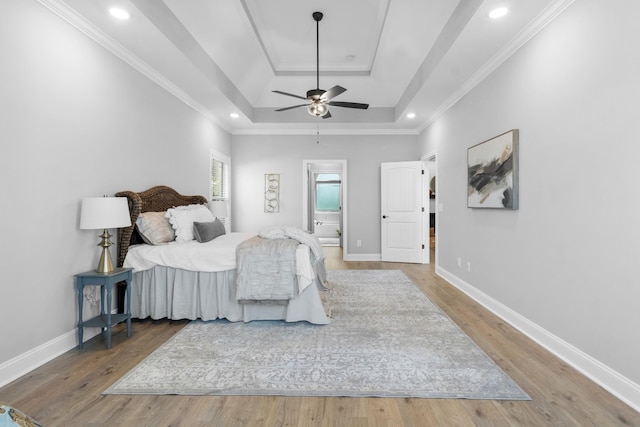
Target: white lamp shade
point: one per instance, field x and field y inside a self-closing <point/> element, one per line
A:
<point x="104" y="212"/>
<point x="218" y="208"/>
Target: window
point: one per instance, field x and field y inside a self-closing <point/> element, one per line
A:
<point x="220" y="182"/>
<point x="328" y="192"/>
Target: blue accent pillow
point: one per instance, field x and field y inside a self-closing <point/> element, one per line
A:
<point x="207" y="231"/>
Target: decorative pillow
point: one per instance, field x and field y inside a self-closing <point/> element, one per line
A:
<point x="183" y="217"/>
<point x="207" y="231"/>
<point x="154" y="228"/>
<point x="10" y="416"/>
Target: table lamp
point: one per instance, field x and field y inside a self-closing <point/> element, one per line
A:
<point x="104" y="213"/>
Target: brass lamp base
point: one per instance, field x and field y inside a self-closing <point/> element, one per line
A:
<point x="105" y="265"/>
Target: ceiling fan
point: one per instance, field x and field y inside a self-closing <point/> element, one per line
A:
<point x="318" y="99"/>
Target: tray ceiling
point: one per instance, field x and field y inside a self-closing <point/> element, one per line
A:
<point x="227" y="56"/>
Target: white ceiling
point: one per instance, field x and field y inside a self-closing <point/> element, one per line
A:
<point x="400" y="56"/>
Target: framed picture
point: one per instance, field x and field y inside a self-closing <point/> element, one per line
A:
<point x="272" y="192"/>
<point x="492" y="172"/>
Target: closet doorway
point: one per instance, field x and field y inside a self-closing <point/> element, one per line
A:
<point x="324" y="200"/>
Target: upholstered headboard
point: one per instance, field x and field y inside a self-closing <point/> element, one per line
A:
<point x="156" y="199"/>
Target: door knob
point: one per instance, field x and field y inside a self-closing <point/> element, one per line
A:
<point x="384" y="216"/>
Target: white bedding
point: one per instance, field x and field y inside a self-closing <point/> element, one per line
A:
<point x="217" y="255"/>
<point x="214" y="256"/>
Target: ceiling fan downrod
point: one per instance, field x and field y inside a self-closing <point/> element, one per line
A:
<point x="318" y="100"/>
<point x="317" y="16"/>
<point x="317" y="107"/>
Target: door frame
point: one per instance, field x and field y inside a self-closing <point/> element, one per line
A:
<point x="432" y="156"/>
<point x="343" y="189"/>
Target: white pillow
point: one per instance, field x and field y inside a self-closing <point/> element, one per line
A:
<point x="182" y="218"/>
<point x="154" y="228"/>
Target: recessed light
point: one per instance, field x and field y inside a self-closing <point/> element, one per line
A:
<point x="234" y="115"/>
<point x="116" y="12"/>
<point x="411" y="115"/>
<point x="498" y="12"/>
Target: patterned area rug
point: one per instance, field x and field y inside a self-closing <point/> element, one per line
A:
<point x="386" y="338"/>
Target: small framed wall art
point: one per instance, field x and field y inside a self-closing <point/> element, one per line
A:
<point x="272" y="192"/>
<point x="492" y="172"/>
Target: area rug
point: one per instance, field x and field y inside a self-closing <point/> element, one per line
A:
<point x="386" y="338"/>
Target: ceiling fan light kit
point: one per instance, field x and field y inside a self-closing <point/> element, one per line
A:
<point x="318" y="109"/>
<point x="318" y="99"/>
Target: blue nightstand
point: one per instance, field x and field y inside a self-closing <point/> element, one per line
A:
<point x="106" y="319"/>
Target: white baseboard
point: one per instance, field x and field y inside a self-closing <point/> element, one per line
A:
<point x="362" y="257"/>
<point x="617" y="384"/>
<point x="21" y="365"/>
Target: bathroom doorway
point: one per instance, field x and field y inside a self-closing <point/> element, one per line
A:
<point x="324" y="200"/>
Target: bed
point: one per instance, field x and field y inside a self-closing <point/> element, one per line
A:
<point x="199" y="280"/>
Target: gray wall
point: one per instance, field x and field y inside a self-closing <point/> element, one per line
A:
<point x="566" y="260"/>
<point x="253" y="156"/>
<point x="76" y="122"/>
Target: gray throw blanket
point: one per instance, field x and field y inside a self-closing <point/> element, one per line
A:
<point x="266" y="270"/>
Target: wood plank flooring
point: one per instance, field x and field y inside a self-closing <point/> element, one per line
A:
<point x="67" y="391"/>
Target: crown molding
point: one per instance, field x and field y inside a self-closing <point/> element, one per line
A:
<point x="67" y="13"/>
<point x="551" y="12"/>
<point x="324" y="132"/>
<point x="311" y="72"/>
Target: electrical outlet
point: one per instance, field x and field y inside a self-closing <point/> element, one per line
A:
<point x="459" y="262"/>
<point x="359" y="243"/>
<point x="469" y="267"/>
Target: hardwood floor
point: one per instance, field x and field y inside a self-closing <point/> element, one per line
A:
<point x="67" y="391"/>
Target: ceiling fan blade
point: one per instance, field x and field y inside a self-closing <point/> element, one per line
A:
<point x="348" y="105"/>
<point x="288" y="94"/>
<point x="333" y="92"/>
<point x="292" y="107"/>
<point x="327" y="116"/>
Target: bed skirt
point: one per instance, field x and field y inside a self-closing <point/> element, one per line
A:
<point x="164" y="292"/>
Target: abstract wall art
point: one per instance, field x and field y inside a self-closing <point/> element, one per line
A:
<point x="492" y="169"/>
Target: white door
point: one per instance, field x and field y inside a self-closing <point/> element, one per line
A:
<point x="403" y="236"/>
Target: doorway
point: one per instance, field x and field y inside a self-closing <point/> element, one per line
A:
<point x="324" y="200"/>
<point x="431" y="171"/>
